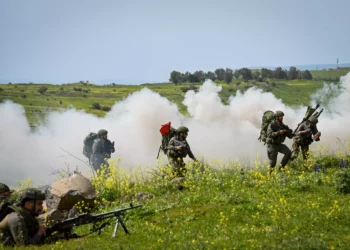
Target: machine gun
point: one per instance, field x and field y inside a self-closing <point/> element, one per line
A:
<point x="66" y="226"/>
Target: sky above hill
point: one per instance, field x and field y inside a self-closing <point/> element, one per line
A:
<point x="139" y="41"/>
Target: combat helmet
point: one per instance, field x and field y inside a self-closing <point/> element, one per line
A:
<point x="102" y="132"/>
<point x="313" y="119"/>
<point x="279" y="113"/>
<point x="182" y="129"/>
<point x="4" y="188"/>
<point x="31" y="194"/>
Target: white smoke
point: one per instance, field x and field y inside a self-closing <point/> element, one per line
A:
<point x="217" y="131"/>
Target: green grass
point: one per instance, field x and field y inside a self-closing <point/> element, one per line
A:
<point x="225" y="208"/>
<point x="329" y="74"/>
<point x="57" y="97"/>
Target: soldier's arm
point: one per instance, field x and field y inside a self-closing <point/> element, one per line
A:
<point x="19" y="231"/>
<point x="171" y="145"/>
<point x="190" y="154"/>
<point x="272" y="130"/>
<point x="314" y="130"/>
<point x="96" y="147"/>
<point x="303" y="129"/>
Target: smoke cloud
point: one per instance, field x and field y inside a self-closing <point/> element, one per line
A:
<point x="217" y="131"/>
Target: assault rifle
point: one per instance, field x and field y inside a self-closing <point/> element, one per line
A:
<point x="66" y="226"/>
<point x="309" y="112"/>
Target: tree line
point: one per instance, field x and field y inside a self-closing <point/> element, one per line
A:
<point x="244" y="74"/>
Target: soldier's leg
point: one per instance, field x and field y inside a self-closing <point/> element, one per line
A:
<point x="175" y="165"/>
<point x="182" y="167"/>
<point x="287" y="154"/>
<point x="272" y="155"/>
<point x="296" y="149"/>
<point x="305" y="150"/>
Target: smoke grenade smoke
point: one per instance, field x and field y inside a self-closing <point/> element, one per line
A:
<point x="216" y="131"/>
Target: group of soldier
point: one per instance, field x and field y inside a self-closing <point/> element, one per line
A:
<point x="277" y="132"/>
<point x="178" y="147"/>
<point x="18" y="224"/>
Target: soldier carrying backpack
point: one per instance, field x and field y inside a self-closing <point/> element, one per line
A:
<point x="97" y="148"/>
<point x="167" y="132"/>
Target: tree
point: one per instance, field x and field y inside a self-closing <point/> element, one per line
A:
<point x="279" y="73"/>
<point x="228" y="75"/>
<point x="193" y="78"/>
<point x="246" y="74"/>
<point x="266" y="73"/>
<point x="306" y="75"/>
<point x="200" y="75"/>
<point x="210" y="75"/>
<point x="292" y="73"/>
<point x="175" y="77"/>
<point x="220" y="74"/>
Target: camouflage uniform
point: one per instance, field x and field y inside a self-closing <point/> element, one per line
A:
<point x="101" y="149"/>
<point x="4" y="210"/>
<point x="175" y="156"/>
<point x="303" y="138"/>
<point x="20" y="227"/>
<point x="275" y="141"/>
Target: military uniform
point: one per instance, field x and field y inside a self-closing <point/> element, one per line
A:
<point x="3" y="202"/>
<point x="101" y="149"/>
<point x="20" y="228"/>
<point x="175" y="156"/>
<point x="303" y="138"/>
<point x="275" y="141"/>
<point x="3" y="208"/>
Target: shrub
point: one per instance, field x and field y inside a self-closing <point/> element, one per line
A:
<point x="106" y="108"/>
<point x="342" y="180"/>
<point x="42" y="90"/>
<point x="96" y="105"/>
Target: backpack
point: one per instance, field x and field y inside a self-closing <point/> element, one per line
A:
<point x="88" y="141"/>
<point x="167" y="132"/>
<point x="266" y="120"/>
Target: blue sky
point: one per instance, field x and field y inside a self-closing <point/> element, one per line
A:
<point x="143" y="41"/>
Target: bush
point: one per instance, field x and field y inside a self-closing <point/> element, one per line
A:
<point x="1" y="89"/>
<point x="191" y="87"/>
<point x="342" y="180"/>
<point x="96" y="105"/>
<point x="24" y="96"/>
<point x="42" y="90"/>
<point x="106" y="108"/>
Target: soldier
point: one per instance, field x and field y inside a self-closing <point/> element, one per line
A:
<point x="101" y="149"/>
<point x="277" y="132"/>
<point x="178" y="148"/>
<point x="5" y="193"/>
<point x="304" y="137"/>
<point x="20" y="227"/>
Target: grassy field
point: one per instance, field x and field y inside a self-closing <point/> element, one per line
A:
<point x="301" y="207"/>
<point x="216" y="207"/>
<point x="84" y="95"/>
<point x="324" y="74"/>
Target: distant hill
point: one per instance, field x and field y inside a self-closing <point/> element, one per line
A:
<point x="309" y="66"/>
